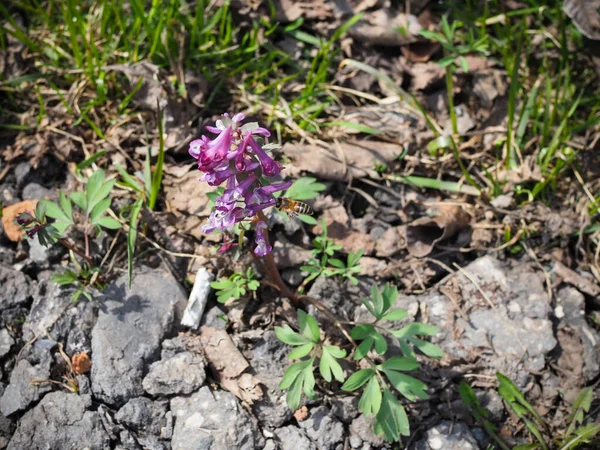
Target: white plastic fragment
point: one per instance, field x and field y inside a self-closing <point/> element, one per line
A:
<point x="197" y="301"/>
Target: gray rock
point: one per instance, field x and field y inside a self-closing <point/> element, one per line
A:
<point x="572" y="304"/>
<point x="16" y="288"/>
<point x="213" y="421"/>
<point x="447" y="436"/>
<point x="60" y="421"/>
<point x="127" y="335"/>
<point x="293" y="277"/>
<point x="35" y="191"/>
<point x="182" y="374"/>
<point x="292" y="438"/>
<point x="20" y="393"/>
<point x="144" y="415"/>
<point x="49" y="304"/>
<point x="269" y="362"/>
<point x="362" y="427"/>
<point x="323" y="428"/>
<point x="6" y="342"/>
<point x="339" y="298"/>
<point x="21" y="171"/>
<point x="74" y="326"/>
<point x="345" y="408"/>
<point x="214" y="317"/>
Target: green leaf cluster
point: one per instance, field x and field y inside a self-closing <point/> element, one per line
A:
<point x="377" y="399"/>
<point x="299" y="376"/>
<point x="94" y="201"/>
<point x="235" y="286"/>
<point x="323" y="262"/>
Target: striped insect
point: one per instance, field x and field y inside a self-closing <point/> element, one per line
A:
<point x="292" y="207"/>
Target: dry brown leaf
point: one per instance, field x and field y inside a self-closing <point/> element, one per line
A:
<point x="10" y="213"/>
<point x="355" y="159"/>
<point x="228" y="365"/>
<point x="381" y="26"/>
<point x="81" y="363"/>
<point x="585" y="16"/>
<point x="301" y="414"/>
<point x="571" y="277"/>
<point x="338" y="229"/>
<point x="187" y="194"/>
<point x="423" y="234"/>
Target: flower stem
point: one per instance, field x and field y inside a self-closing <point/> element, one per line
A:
<point x="272" y="273"/>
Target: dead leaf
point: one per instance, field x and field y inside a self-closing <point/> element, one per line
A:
<point x="426" y="75"/>
<point x="355" y="159"/>
<point x="585" y="16"/>
<point x="571" y="277"/>
<point x="301" y="414"/>
<point x="187" y="194"/>
<point x="423" y="234"/>
<point x="338" y="229"/>
<point x="228" y="365"/>
<point x="381" y="26"/>
<point x="81" y="363"/>
<point x="10" y="213"/>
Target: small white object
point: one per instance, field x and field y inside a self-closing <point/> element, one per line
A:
<point x="198" y="298"/>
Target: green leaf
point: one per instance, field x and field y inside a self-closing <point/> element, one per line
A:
<point x="128" y="179"/>
<point x="294" y="395"/>
<point x="394" y="314"/>
<point x="308" y="326"/>
<point x="68" y="277"/>
<point x="363" y="349"/>
<point x="400" y="363"/>
<point x="307" y="219"/>
<point x="253" y="285"/>
<point x="53" y="211"/>
<point x="101" y="194"/>
<point x="132" y="237"/>
<point x="377" y="300"/>
<point x="99" y="209"/>
<point x="370" y="401"/>
<point x="391" y="420"/>
<point x="416" y="328"/>
<point x="288" y="336"/>
<point x="380" y="343"/>
<point x="301" y="351"/>
<point x="304" y="188"/>
<point x="429" y="349"/>
<point x="79" y="198"/>
<point x="93" y="187"/>
<point x="290" y="375"/>
<point x="357" y="379"/>
<point x="89" y="161"/>
<point x="309" y="380"/>
<point x="337" y="263"/>
<point x="108" y="222"/>
<point x="389" y="294"/>
<point x="362" y="331"/>
<point x="222" y="283"/>
<point x="328" y="365"/>
<point x="157" y="175"/>
<point x="514" y="397"/>
<point x="409" y="387"/>
<point x="65" y="204"/>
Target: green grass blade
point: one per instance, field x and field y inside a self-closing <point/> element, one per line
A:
<point x="157" y="175"/>
<point x="431" y="183"/>
<point x="132" y="236"/>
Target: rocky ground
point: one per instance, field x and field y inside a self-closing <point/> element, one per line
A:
<point x="504" y="261"/>
<point x="151" y="385"/>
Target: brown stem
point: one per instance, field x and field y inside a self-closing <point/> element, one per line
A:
<point x="66" y="244"/>
<point x="273" y="273"/>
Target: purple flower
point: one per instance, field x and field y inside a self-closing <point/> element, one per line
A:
<point x="218" y="177"/>
<point x="222" y="219"/>
<point x="262" y="246"/>
<point x="262" y="197"/>
<point x="234" y="157"/>
<point x="232" y="195"/>
<point x="270" y="167"/>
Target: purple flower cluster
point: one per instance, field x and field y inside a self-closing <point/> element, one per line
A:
<point x="236" y="159"/>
